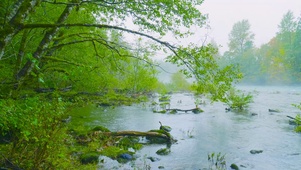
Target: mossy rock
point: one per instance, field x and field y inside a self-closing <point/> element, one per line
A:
<point x="157" y="140"/>
<point x="173" y="111"/>
<point x="161" y="111"/>
<point x="234" y="166"/>
<point x="90" y="157"/>
<point x="197" y="110"/>
<point x="256" y="151"/>
<point x="164" y="99"/>
<point x="163" y="151"/>
<point x="130" y="142"/>
<point x="124" y="158"/>
<point x="100" y="128"/>
<point x="113" y="152"/>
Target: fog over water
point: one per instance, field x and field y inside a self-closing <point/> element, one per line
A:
<point x="263" y="15"/>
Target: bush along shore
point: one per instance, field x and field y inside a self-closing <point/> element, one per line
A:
<point x="36" y="133"/>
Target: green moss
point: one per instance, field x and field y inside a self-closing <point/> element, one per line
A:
<point x="163" y="151"/>
<point x="164" y="98"/>
<point x="100" y="128"/>
<point x="234" y="166"/>
<point x="91" y="157"/>
<point x="113" y="152"/>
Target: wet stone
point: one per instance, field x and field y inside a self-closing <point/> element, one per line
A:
<point x="163" y="151"/>
<point x="256" y="151"/>
<point x="153" y="159"/>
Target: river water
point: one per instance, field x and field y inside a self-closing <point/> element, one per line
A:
<point x="215" y="130"/>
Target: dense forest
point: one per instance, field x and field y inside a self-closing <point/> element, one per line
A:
<point x="58" y="54"/>
<point x="278" y="62"/>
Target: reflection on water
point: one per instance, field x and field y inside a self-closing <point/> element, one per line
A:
<point x="215" y="130"/>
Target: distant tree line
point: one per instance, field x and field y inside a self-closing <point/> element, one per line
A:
<point x="276" y="62"/>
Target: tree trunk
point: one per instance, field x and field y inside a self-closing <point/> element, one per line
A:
<point x="16" y="17"/>
<point x="38" y="54"/>
<point x="21" y="52"/>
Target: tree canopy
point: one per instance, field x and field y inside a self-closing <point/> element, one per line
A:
<point x="62" y="43"/>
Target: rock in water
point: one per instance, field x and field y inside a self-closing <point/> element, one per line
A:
<point x="91" y="157"/>
<point x="126" y="156"/>
<point x="165" y="128"/>
<point x="274" y="110"/>
<point x="153" y="159"/>
<point x="234" y="166"/>
<point x="163" y="151"/>
<point x="256" y="151"/>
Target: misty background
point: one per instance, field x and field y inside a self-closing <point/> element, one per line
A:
<point x="261" y="38"/>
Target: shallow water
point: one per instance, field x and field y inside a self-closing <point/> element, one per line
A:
<point x="215" y="130"/>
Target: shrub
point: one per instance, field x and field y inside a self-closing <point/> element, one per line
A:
<point x="38" y="138"/>
<point x="236" y="99"/>
<point x="298" y="118"/>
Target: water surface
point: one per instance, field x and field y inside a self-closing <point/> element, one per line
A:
<point x="215" y="130"/>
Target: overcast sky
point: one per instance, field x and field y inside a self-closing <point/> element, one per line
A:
<point x="263" y="15"/>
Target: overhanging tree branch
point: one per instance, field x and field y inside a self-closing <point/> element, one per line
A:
<point x="172" y="48"/>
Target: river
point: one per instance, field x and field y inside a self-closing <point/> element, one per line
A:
<point x="215" y="130"/>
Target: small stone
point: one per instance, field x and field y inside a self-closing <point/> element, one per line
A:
<point x="126" y="156"/>
<point x="274" y="110"/>
<point x="256" y="151"/>
<point x="153" y="159"/>
<point x="160" y="167"/>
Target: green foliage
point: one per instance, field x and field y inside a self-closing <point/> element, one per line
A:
<point x="217" y="161"/>
<point x="298" y="123"/>
<point x="297" y="119"/>
<point x="240" y="38"/>
<point x="58" y="44"/>
<point x="39" y="140"/>
<point x="209" y="76"/>
<point x="236" y="99"/>
<point x="113" y="152"/>
<point x="179" y="82"/>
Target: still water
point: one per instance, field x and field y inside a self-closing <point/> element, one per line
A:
<point x="214" y="130"/>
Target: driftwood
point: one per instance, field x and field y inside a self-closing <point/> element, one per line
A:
<point x="292" y="118"/>
<point x="136" y="133"/>
<point x="167" y="136"/>
<point x="294" y="121"/>
<point x="194" y="110"/>
<point x="274" y="110"/>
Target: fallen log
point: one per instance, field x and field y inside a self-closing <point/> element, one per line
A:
<point x="292" y="118"/>
<point x="294" y="121"/>
<point x="135" y="133"/>
<point x="165" y="135"/>
<point x="194" y="110"/>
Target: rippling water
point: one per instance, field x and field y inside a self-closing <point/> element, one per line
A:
<point x="215" y="130"/>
